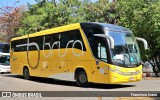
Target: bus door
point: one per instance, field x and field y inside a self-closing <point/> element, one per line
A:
<point x="18" y="58"/>
<point x="13" y="57"/>
<point x="100" y="66"/>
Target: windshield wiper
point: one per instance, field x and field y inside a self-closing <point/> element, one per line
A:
<point x="135" y="58"/>
<point x="125" y="56"/>
<point x="132" y="54"/>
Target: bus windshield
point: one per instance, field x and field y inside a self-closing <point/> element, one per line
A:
<point x="126" y="51"/>
<point x="4" y="60"/>
<point x="4" y="48"/>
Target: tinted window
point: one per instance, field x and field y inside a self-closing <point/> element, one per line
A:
<point x="55" y="38"/>
<point x="89" y="32"/>
<point x="5" y="60"/>
<point x="47" y="41"/>
<point x="19" y="42"/>
<point x="38" y="40"/>
<point x="4" y="48"/>
<point x="69" y="36"/>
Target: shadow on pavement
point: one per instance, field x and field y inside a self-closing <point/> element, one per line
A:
<point x="69" y="83"/>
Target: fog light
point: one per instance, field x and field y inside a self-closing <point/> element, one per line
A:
<point x="131" y="78"/>
<point x="115" y="78"/>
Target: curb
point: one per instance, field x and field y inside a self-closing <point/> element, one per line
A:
<point x="151" y="78"/>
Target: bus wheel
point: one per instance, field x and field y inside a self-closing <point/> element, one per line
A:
<point x="81" y="79"/>
<point x="26" y="73"/>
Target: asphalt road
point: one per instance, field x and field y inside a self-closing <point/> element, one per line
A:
<point x="11" y="82"/>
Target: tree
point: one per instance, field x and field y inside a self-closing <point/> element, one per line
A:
<point x="45" y="15"/>
<point x="49" y="13"/>
<point x="143" y="19"/>
<point x="101" y="11"/>
<point x="9" y="21"/>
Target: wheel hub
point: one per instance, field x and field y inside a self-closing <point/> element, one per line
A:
<point x="82" y="78"/>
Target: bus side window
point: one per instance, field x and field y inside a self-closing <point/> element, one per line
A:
<point x="64" y="39"/>
<point x="24" y="48"/>
<point x="74" y="35"/>
<point x="78" y="37"/>
<point x="55" y="38"/>
<point x="38" y="40"/>
<point x="47" y="40"/>
<point x="14" y="46"/>
<point x="18" y="42"/>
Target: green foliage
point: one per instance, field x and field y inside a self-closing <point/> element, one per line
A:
<point x="143" y="18"/>
<point x="95" y="12"/>
<point x="100" y="11"/>
<point x="44" y="15"/>
<point x="48" y="14"/>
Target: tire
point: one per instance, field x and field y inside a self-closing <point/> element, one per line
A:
<point x="81" y="79"/>
<point x="26" y="73"/>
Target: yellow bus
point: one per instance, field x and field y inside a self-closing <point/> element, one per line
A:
<point x="82" y="52"/>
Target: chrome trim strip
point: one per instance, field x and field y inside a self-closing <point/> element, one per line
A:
<point x="125" y="73"/>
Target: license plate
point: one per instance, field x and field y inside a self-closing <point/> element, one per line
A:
<point x="131" y="78"/>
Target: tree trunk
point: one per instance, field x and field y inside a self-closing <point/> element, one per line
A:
<point x="157" y="64"/>
<point x="154" y="67"/>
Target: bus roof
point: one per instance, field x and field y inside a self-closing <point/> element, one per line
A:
<point x="104" y="25"/>
<point x="51" y="31"/>
<point x="77" y="26"/>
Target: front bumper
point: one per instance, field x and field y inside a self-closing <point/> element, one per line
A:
<point x="122" y="77"/>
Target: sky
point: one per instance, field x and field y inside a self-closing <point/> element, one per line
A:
<point x="21" y="2"/>
<point x="11" y="2"/>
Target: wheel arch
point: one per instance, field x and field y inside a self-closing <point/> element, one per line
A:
<point x="25" y="66"/>
<point x="78" y="69"/>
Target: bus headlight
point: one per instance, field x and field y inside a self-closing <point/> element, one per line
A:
<point x="114" y="70"/>
<point x="111" y="69"/>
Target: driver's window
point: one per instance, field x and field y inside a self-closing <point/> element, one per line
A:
<point x="102" y="54"/>
<point x="101" y="48"/>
